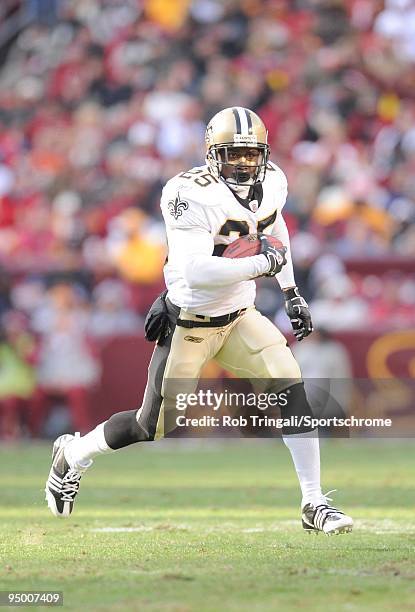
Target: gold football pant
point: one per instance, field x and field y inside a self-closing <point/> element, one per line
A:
<point x="249" y="347"/>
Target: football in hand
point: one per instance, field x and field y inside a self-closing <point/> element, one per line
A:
<point x="246" y="246"/>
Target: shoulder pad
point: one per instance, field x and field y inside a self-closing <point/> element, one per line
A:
<point x="197" y="184"/>
<point x="276" y="176"/>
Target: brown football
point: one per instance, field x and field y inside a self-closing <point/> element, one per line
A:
<point x="246" y="246"/>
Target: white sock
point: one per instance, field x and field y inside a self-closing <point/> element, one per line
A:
<point x="305" y="452"/>
<point x="80" y="451"/>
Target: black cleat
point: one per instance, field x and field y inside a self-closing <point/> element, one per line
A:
<point x="325" y="518"/>
<point x="62" y="485"/>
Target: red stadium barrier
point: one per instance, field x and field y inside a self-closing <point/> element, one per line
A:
<point x="125" y="361"/>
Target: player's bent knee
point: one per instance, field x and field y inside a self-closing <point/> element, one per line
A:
<point x="297" y="411"/>
<point x="122" y="429"/>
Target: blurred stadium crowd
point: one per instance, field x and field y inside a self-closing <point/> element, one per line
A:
<point x="101" y="101"/>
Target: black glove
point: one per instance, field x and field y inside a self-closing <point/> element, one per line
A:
<point x="297" y="310"/>
<point x="157" y="324"/>
<point x="276" y="257"/>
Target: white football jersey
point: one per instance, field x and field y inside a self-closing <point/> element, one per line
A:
<point x="201" y="204"/>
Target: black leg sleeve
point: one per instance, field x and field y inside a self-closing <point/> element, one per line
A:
<point x="297" y="407"/>
<point x="122" y="429"/>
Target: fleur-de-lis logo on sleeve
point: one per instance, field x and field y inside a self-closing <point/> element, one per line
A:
<point x="177" y="207"/>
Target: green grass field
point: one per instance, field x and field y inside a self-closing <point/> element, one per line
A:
<point x="212" y="527"/>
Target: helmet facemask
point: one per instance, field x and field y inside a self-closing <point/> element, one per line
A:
<point x="233" y="173"/>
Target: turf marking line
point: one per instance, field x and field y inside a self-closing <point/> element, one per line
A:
<point x="121" y="529"/>
<point x="381" y="527"/>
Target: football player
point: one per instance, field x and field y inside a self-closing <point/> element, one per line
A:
<point x="208" y="310"/>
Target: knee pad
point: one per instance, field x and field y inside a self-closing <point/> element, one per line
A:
<point x="296" y="409"/>
<point x="122" y="429"/>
